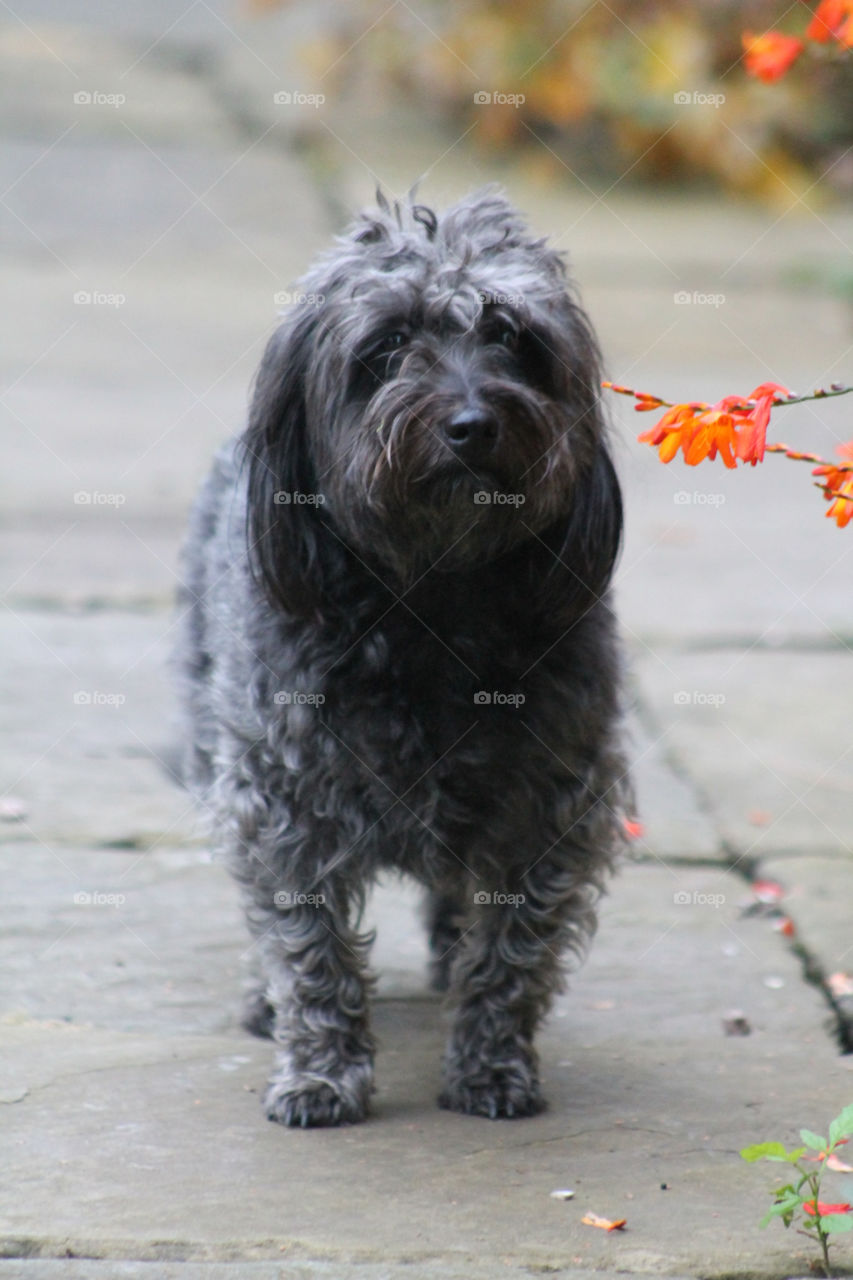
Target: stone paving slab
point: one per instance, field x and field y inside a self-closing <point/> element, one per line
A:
<point x="815" y="887"/>
<point x="90" y="730"/>
<point x="764" y="739"/>
<point x="130" y="1143"/>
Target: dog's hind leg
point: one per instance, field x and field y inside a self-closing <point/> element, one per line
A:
<point x="443" y="915"/>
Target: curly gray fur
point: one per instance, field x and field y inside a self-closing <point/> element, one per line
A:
<point x="351" y="598"/>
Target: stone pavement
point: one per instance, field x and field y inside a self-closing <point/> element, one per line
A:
<point x="146" y="241"/>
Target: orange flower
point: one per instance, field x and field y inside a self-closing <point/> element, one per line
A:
<point x="668" y="433"/>
<point x="833" y="20"/>
<point x="768" y="57"/>
<point x="734" y="427"/>
<point x="715" y="429"/>
<point x="824" y="1209"/>
<point x="841" y="507"/>
<point x="837" y="485"/>
<point x="752" y="436"/>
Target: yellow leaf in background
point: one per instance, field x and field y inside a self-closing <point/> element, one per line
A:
<point x="677" y="54"/>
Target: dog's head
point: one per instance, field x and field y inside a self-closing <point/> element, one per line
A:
<point x="431" y="402"/>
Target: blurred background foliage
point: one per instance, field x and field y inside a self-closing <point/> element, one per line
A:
<point x="599" y="82"/>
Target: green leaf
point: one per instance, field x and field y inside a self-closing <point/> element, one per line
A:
<point x="770" y="1151"/>
<point x="834" y="1223"/>
<point x="784" y="1209"/>
<point x="762" y="1151"/>
<point x="813" y="1140"/>
<point x="842" y="1125"/>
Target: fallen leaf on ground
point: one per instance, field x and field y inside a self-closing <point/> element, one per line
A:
<point x="634" y="829"/>
<point x="840" y="984"/>
<point x="593" y="1220"/>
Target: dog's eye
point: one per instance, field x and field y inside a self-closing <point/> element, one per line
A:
<point x="502" y="334"/>
<point x="391" y="343"/>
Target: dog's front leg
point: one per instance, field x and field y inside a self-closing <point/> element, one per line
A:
<point x="318" y="988"/>
<point x="503" y="981"/>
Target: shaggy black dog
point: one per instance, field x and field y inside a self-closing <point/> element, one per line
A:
<point x="399" y="652"/>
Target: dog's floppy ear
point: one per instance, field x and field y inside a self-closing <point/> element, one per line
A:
<point x="285" y="532"/>
<point x="586" y="544"/>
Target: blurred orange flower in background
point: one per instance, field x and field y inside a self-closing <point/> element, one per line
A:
<point x="769" y="56"/>
<point x="833" y="20"/>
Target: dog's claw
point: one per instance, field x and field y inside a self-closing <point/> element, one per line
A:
<point x="504" y="1097"/>
<point x="310" y="1108"/>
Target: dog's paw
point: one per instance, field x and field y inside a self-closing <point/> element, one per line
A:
<point x="314" y="1104"/>
<point x="320" y="1107"/>
<point x="503" y="1095"/>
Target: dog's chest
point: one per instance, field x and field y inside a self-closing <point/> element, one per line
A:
<point x="419" y="696"/>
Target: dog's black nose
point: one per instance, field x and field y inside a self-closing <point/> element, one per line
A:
<point x="472" y="433"/>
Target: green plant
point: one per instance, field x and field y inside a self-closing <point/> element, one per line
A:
<point x="819" y="1220"/>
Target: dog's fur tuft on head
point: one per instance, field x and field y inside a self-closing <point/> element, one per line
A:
<point x="399" y="650"/>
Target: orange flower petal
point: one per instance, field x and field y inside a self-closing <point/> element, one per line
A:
<point x="669" y="447"/>
<point x="824" y="1209"/>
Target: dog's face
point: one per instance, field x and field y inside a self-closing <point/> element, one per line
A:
<point x="433" y="399"/>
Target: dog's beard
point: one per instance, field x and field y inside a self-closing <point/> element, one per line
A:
<point x="399" y="493"/>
